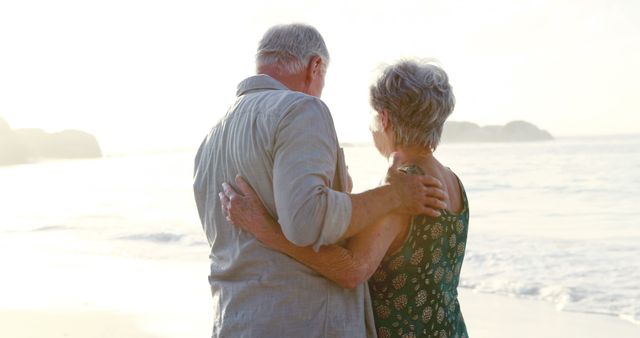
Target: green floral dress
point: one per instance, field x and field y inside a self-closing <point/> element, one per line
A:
<point x="414" y="291"/>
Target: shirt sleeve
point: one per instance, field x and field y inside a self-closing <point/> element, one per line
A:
<point x="305" y="155"/>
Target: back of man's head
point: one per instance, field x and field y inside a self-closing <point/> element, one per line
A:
<point x="291" y="47"/>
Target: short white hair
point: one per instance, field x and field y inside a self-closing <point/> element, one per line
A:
<point x="418" y="99"/>
<point x="290" y="47"/>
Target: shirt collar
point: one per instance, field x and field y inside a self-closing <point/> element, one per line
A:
<point x="259" y="82"/>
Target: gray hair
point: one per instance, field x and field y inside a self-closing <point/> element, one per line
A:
<point x="418" y="99"/>
<point x="291" y="47"/>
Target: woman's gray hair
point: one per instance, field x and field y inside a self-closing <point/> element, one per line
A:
<point x="418" y="99"/>
<point x="291" y="47"/>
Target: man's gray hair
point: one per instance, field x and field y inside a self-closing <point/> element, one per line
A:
<point x="418" y="99"/>
<point x="291" y="47"/>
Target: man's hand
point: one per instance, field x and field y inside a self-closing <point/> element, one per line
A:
<point x="417" y="194"/>
<point x="246" y="211"/>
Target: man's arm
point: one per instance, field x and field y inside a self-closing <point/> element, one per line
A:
<point x="309" y="212"/>
<point x="404" y="194"/>
<point x="305" y="153"/>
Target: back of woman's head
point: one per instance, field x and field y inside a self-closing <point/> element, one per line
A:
<point x="418" y="99"/>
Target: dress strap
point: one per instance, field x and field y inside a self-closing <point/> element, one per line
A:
<point x="462" y="190"/>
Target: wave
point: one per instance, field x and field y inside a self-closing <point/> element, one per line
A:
<point x="52" y="228"/>
<point x="575" y="276"/>
<point x="157" y="237"/>
<point x="564" y="299"/>
<point x="198" y="243"/>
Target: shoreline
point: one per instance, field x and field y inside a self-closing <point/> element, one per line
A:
<point x="90" y="295"/>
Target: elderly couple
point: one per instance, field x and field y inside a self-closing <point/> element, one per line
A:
<point x="293" y="252"/>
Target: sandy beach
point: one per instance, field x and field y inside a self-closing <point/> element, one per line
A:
<point x="49" y="293"/>
<point x="487" y="316"/>
<point x="494" y="316"/>
<point x="34" y="323"/>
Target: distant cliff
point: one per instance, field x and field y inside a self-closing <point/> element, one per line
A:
<point x="516" y="131"/>
<point x="30" y="145"/>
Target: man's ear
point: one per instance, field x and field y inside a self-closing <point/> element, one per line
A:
<point x="314" y="68"/>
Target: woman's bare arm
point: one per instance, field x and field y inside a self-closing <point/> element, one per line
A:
<point x="348" y="266"/>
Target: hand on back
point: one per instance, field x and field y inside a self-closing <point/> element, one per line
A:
<point x="418" y="194"/>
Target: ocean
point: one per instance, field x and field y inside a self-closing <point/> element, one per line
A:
<point x="557" y="221"/>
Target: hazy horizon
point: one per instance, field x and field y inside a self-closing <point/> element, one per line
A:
<point x="149" y="75"/>
<point x="110" y="150"/>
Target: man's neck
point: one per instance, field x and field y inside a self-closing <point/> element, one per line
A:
<point x="294" y="82"/>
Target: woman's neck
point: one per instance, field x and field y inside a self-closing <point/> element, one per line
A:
<point x="403" y="154"/>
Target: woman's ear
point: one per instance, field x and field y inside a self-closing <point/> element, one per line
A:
<point x="384" y="120"/>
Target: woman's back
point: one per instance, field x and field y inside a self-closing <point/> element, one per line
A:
<point x="414" y="289"/>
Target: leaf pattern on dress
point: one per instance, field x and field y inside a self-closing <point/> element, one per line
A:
<point x="399" y="281"/>
<point x="417" y="256"/>
<point x="414" y="289"/>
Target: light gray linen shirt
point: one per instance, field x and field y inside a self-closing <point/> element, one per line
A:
<point x="285" y="145"/>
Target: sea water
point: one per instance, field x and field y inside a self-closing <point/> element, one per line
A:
<point x="557" y="221"/>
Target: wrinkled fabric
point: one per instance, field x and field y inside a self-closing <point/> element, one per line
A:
<point x="284" y="144"/>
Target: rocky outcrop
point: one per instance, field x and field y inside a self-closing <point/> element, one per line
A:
<point x="31" y="145"/>
<point x="516" y="131"/>
<point x="12" y="149"/>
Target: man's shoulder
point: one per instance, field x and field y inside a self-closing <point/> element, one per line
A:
<point x="294" y="98"/>
<point x="285" y="105"/>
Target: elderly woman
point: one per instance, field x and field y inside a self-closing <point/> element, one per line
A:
<point x="412" y="263"/>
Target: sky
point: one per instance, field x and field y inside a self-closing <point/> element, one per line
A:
<point x="153" y="75"/>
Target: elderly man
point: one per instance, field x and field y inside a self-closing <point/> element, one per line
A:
<point x="280" y="137"/>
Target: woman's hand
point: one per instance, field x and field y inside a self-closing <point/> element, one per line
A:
<point x="246" y="211"/>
